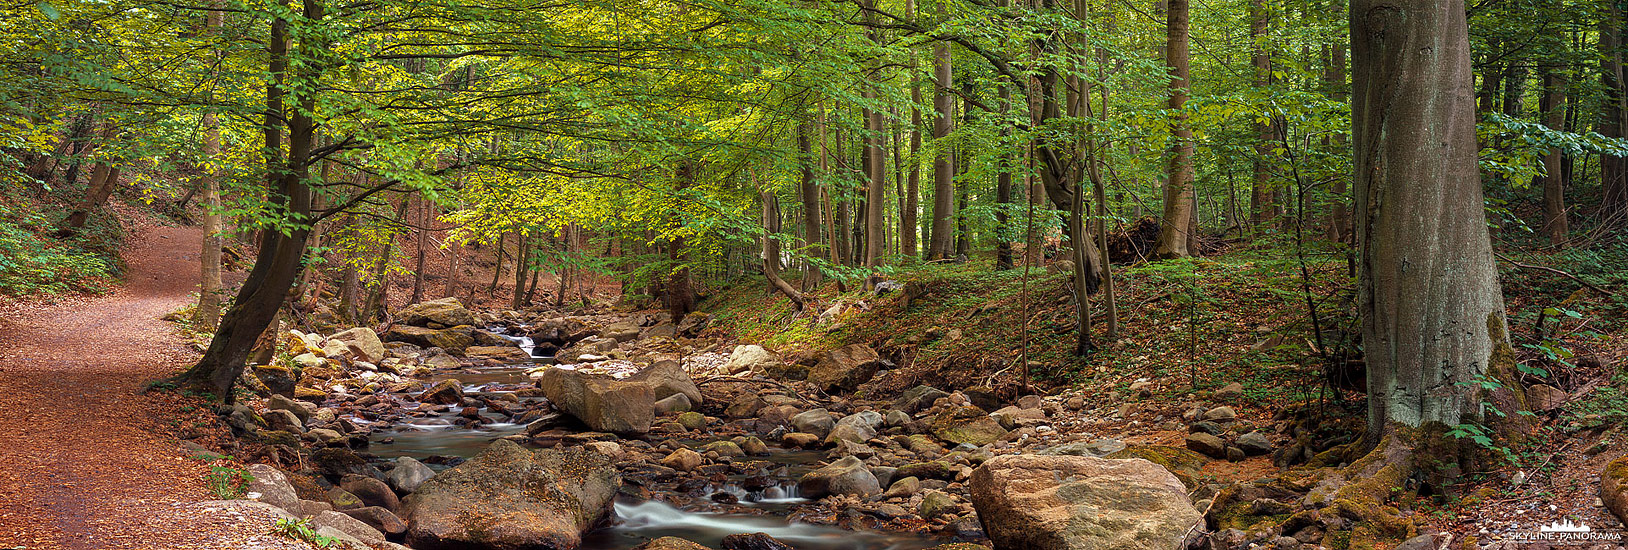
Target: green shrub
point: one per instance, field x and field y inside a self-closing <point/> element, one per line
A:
<point x="32" y="262"/>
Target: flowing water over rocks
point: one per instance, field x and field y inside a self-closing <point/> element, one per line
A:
<point x="447" y="438"/>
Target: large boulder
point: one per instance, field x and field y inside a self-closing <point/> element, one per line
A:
<point x="848" y="476"/>
<point x="269" y="485"/>
<point x="508" y="497"/>
<point x="1614" y="488"/>
<point x="447" y="312"/>
<point x="408" y="475"/>
<point x="1059" y="502"/>
<point x="667" y="378"/>
<point x="603" y="403"/>
<point x="453" y="340"/>
<point x="967" y="425"/>
<point x="918" y="398"/>
<point x="845" y="368"/>
<point x="362" y="342"/>
<point x="749" y="358"/>
<point x="443" y="392"/>
<point x="587" y="346"/>
<point x="817" y="422"/>
<point x="506" y="354"/>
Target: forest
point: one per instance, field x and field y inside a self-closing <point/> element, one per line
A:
<point x="813" y="274"/>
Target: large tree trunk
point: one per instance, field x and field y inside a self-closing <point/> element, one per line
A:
<point x="1262" y="203"/>
<point x="1339" y="219"/>
<point x="1614" y="118"/>
<point x="908" y="222"/>
<point x="1177" y="229"/>
<point x="809" y="191"/>
<point x="207" y="315"/>
<point x="875" y="200"/>
<point x="679" y="292"/>
<point x="1003" y="197"/>
<point x="1554" y="184"/>
<point x="278" y="262"/>
<point x="103" y="179"/>
<point x="1432" y="312"/>
<point x="941" y="237"/>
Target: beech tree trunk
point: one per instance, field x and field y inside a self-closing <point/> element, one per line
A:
<point x="1262" y="205"/>
<point x="809" y="189"/>
<point x="1177" y="228"/>
<point x="941" y="236"/>
<point x="278" y="262"/>
<point x="103" y="178"/>
<point x="1554" y="183"/>
<point x="1432" y="312"/>
<point x="207" y="314"/>
<point x="1614" y="118"/>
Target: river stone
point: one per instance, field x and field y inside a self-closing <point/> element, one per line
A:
<point x="675" y="403"/>
<point x="1100" y="447"/>
<point x="1207" y="445"/>
<point x="447" y="312"/>
<point x="342" y="499"/>
<point x="408" y="475"/>
<point x="753" y="541"/>
<point x="968" y="425"/>
<point x="603" y="403"/>
<point x="302" y="409"/>
<point x="693" y="323"/>
<point x="444" y="392"/>
<point x="727" y="449"/>
<point x="509" y="497"/>
<point x="692" y="420"/>
<point x="372" y="492"/>
<point x="273" y="487"/>
<point x="363" y="342"/>
<point x="1230" y="392"/>
<point x="588" y="346"/>
<point x="817" y="422"/>
<point x="935" y="504"/>
<point x="505" y="354"/>
<point x="845" y="368"/>
<point x="452" y="340"/>
<point x="905" y="488"/>
<point x="667" y="378"/>
<point x="753" y="446"/>
<point x="1255" y="443"/>
<point x="378" y="518"/>
<point x="799" y="440"/>
<point x="918" y="398"/>
<point x="843" y="477"/>
<point x="283" y="420"/>
<point x="853" y="433"/>
<point x="682" y="460"/>
<point x="1013" y="418"/>
<point x="749" y="358"/>
<point x="1080" y="503"/>
<point x="1221" y="415"/>
<point x="670" y="543"/>
<point x="745" y="406"/>
<point x="348" y="525"/>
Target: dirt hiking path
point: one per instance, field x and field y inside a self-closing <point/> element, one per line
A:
<point x="83" y="464"/>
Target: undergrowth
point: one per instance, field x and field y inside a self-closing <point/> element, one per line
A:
<point x="33" y="260"/>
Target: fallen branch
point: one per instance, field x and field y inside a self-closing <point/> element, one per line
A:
<point x="1586" y="284"/>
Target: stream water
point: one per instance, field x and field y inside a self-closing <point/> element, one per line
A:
<point x="435" y="438"/>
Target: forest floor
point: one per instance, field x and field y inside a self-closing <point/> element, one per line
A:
<point x="86" y="459"/>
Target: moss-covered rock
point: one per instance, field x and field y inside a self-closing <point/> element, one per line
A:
<point x="1183" y="463"/>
